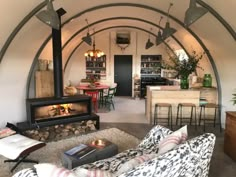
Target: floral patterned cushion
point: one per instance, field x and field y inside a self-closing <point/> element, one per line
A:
<point x="190" y="159"/>
<point x="148" y="145"/>
<point x="154" y="136"/>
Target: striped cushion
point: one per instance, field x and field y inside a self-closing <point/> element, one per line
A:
<point x="50" y="170"/>
<point x="82" y="172"/>
<point x="172" y="140"/>
<point x="135" y="162"/>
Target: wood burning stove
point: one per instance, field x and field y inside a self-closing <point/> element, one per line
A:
<point x="59" y="109"/>
<point x="42" y="112"/>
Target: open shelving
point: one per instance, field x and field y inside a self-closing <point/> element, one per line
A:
<point x="96" y="67"/>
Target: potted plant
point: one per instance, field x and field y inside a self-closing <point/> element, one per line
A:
<point x="234" y="98"/>
<point x="183" y="66"/>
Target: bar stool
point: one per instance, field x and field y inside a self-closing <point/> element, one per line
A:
<point x="180" y="108"/>
<point x="157" y="113"/>
<point x="208" y="118"/>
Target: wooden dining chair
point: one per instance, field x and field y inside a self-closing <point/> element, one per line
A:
<point x="95" y="96"/>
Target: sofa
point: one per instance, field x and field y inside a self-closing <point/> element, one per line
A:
<point x="161" y="153"/>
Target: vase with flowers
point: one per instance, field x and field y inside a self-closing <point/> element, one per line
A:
<point x="92" y="81"/>
<point x="183" y="66"/>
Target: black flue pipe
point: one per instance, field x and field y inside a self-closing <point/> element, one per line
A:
<point x="57" y="58"/>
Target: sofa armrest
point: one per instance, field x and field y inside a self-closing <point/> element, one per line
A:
<point x="154" y="136"/>
<point x="191" y="159"/>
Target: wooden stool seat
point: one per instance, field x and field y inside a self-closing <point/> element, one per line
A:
<point x="180" y="116"/>
<point x="187" y="104"/>
<point x="169" y="113"/>
<point x="206" y="118"/>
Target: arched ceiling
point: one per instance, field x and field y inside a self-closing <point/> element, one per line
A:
<point x="24" y="39"/>
<point x="96" y="11"/>
<point x="106" y="15"/>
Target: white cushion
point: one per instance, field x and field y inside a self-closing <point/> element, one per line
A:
<point x="12" y="146"/>
<point x="51" y="170"/>
<point x="172" y="140"/>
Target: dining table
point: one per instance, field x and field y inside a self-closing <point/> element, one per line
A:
<point x="96" y="87"/>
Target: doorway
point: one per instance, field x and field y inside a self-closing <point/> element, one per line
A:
<point x="123" y="74"/>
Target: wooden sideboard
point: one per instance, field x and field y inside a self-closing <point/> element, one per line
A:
<point x="230" y="135"/>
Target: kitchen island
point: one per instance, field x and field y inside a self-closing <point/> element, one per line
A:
<point x="174" y="95"/>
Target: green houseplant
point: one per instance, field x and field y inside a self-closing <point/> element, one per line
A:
<point x="234" y="98"/>
<point x="183" y="66"/>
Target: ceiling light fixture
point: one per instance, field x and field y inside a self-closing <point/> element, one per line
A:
<point x="159" y="38"/>
<point x="149" y="43"/>
<point x="94" y="53"/>
<point x="193" y="13"/>
<point x="49" y="16"/>
<point x="168" y="31"/>
<point x="87" y="38"/>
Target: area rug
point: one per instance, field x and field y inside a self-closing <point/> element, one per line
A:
<point x="51" y="153"/>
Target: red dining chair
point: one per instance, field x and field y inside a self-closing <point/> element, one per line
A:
<point x="95" y="97"/>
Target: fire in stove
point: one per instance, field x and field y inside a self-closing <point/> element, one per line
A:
<point x="60" y="110"/>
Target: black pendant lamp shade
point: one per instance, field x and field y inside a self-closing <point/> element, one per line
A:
<point x="49" y="16"/>
<point x="87" y="38"/>
<point x="168" y="31"/>
<point x="193" y="13"/>
<point x="149" y="44"/>
<point x="159" y="38"/>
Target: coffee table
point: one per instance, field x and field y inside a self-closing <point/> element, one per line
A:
<point x="70" y="162"/>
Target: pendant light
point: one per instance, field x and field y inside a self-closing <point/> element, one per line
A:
<point x="87" y="38"/>
<point x="193" y="13"/>
<point x="159" y="38"/>
<point x="94" y="53"/>
<point x="49" y="16"/>
<point x="149" y="43"/>
<point x="168" y="31"/>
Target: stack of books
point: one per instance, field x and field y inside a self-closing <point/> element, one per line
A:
<point x="80" y="151"/>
